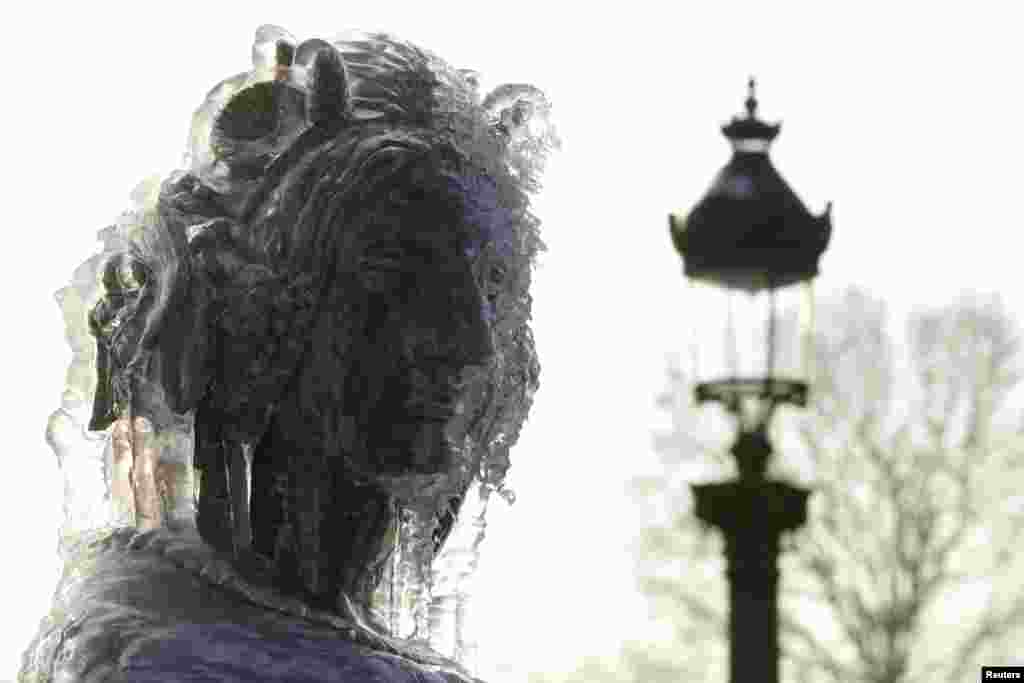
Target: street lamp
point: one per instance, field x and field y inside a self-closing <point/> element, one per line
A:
<point x="750" y="250"/>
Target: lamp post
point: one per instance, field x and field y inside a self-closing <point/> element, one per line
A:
<point x="750" y="250"/>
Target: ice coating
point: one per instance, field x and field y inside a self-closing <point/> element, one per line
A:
<point x="210" y="228"/>
<point x="96" y="465"/>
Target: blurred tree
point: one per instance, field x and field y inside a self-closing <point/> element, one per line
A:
<point x="905" y="570"/>
<point x="904" y="573"/>
<point x="911" y="548"/>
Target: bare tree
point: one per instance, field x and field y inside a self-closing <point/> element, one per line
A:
<point x="903" y="573"/>
<point x="912" y="540"/>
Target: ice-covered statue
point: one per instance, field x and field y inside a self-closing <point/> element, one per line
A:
<point x="298" y="366"/>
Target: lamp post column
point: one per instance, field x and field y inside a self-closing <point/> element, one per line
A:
<point x="752" y="513"/>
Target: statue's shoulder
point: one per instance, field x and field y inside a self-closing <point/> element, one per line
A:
<point x="162" y="606"/>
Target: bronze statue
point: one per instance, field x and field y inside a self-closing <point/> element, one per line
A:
<point x="307" y="346"/>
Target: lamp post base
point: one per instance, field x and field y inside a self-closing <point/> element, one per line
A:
<point x="752" y="514"/>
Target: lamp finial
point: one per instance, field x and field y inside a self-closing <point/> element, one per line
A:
<point x="751" y="98"/>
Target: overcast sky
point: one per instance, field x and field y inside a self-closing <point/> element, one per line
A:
<point x="906" y="117"/>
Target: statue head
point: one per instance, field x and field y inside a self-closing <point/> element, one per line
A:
<point x="314" y="338"/>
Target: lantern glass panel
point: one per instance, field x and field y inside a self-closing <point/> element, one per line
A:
<point x="793" y="327"/>
<point x="743" y="335"/>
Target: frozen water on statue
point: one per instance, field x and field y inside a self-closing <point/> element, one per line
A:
<point x="138" y="459"/>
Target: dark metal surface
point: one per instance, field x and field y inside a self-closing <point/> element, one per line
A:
<point x="750" y="231"/>
<point x="752" y="514"/>
<point x="772" y="390"/>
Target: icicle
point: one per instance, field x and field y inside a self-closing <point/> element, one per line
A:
<point x="452" y="574"/>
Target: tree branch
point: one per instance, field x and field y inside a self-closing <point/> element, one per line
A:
<point x="821" y="656"/>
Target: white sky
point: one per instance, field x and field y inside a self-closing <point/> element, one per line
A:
<point x="906" y="117"/>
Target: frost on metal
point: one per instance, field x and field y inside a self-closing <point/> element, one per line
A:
<point x="309" y="349"/>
